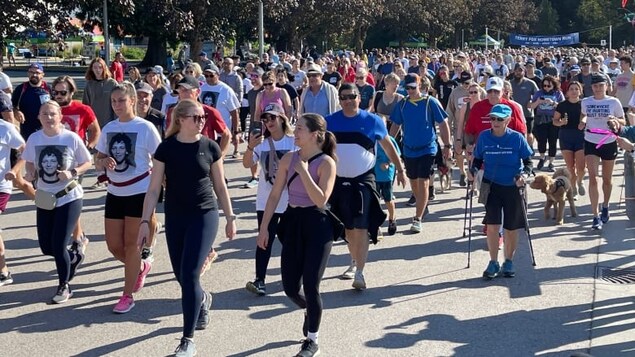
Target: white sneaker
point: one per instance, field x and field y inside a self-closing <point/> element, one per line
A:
<point x="416" y="226"/>
<point x="349" y="273"/>
<point x="359" y="283"/>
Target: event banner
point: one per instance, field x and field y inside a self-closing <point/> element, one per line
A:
<point x="544" y="41"/>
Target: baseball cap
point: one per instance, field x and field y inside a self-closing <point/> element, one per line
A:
<point x="153" y="70"/>
<point x="314" y="68"/>
<point x="37" y="67"/>
<point x="465" y="77"/>
<point x="614" y="60"/>
<point x="585" y="61"/>
<point x="274" y="109"/>
<point x="187" y="82"/>
<point x="411" y="79"/>
<point x="501" y="111"/>
<point x="158" y="69"/>
<point x="575" y="68"/>
<point x="203" y="53"/>
<point x="530" y="62"/>
<point x="210" y="68"/>
<point x="598" y="78"/>
<point x="494" y="83"/>
<point x="143" y="87"/>
<point x="595" y="60"/>
<point x="518" y="66"/>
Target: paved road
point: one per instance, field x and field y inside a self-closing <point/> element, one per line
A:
<point x="421" y="300"/>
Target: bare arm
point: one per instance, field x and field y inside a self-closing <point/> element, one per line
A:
<point x="274" y="197"/>
<point x="391" y="152"/>
<point x="94" y="131"/>
<point x="258" y="111"/>
<point x="150" y="200"/>
<point x="220" y="188"/>
<point x="286" y="100"/>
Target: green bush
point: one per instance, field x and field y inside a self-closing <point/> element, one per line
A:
<point x="133" y="53"/>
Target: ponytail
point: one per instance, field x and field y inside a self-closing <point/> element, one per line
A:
<point x="329" y="144"/>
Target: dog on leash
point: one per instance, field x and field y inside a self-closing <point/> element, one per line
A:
<point x="445" y="175"/>
<point x="557" y="190"/>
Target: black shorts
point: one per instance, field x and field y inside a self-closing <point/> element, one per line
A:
<point x="605" y="152"/>
<point x="419" y="167"/>
<point x="119" y="207"/>
<point x="571" y="139"/>
<point x="385" y="190"/>
<point x="352" y="205"/>
<point x="506" y="199"/>
<point x="530" y="124"/>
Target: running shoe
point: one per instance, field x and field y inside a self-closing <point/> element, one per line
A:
<point x="392" y="227"/>
<point x="141" y="278"/>
<point x="63" y="294"/>
<point x="412" y="201"/>
<point x="550" y="168"/>
<point x="349" y="274"/>
<point x="416" y="226"/>
<point x="147" y="254"/>
<point x="541" y="164"/>
<point x="604" y="214"/>
<point x="309" y="349"/>
<point x="76" y="260"/>
<point x="203" y="315"/>
<point x="359" y="283"/>
<point x="597" y="223"/>
<point x="6" y="279"/>
<point x="581" y="189"/>
<point x="508" y="269"/>
<point x="462" y="181"/>
<point x="80" y="246"/>
<point x="493" y="268"/>
<point x="186" y="348"/>
<point x="257" y="287"/>
<point x="125" y="304"/>
<point x="252" y="183"/>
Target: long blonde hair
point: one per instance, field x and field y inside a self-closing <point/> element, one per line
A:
<point x="179" y="111"/>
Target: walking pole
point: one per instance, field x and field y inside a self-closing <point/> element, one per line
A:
<point x="467" y="197"/>
<point x="523" y="196"/>
<point x="469" y="234"/>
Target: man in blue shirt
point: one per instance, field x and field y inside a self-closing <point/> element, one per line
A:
<point x="320" y="97"/>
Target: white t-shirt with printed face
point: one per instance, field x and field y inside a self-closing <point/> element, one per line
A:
<point x="10" y="138"/>
<point x="597" y="113"/>
<point x="222" y="97"/>
<point x="266" y="178"/>
<point x="51" y="154"/>
<point x="132" y="144"/>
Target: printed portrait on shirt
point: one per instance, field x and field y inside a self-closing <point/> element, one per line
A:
<point x="71" y="122"/>
<point x="209" y="98"/>
<point x="51" y="160"/>
<point x="121" y="147"/>
<point x="270" y="168"/>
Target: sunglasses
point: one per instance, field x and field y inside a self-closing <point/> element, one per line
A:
<point x="348" y="96"/>
<point x="547" y="86"/>
<point x="267" y="84"/>
<point x="59" y="92"/>
<point x="210" y="75"/>
<point x="411" y="88"/>
<point x="313" y="75"/>
<point x="268" y="117"/>
<point x="473" y="92"/>
<point x="362" y="77"/>
<point x="189" y="72"/>
<point x="197" y="118"/>
<point x="496" y="119"/>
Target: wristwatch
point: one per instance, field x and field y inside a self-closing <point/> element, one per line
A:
<point x="231" y="217"/>
<point x="74" y="173"/>
<point x="447" y="146"/>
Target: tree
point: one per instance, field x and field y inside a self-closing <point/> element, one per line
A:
<point x="49" y="17"/>
<point x="596" y="16"/>
<point x="547" y="23"/>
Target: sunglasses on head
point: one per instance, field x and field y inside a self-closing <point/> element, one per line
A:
<point x="265" y="118"/>
<point x="348" y="96"/>
<point x="197" y="118"/>
<point x="496" y="119"/>
<point x="59" y="92"/>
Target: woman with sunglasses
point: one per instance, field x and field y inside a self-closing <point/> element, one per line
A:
<point x="272" y="94"/>
<point x="506" y="156"/>
<point x="442" y="85"/>
<point x="545" y="101"/>
<point x="125" y="150"/>
<point x="265" y="149"/>
<point x="192" y="166"/>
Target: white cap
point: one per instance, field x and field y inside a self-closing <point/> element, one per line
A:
<point x="494" y="83"/>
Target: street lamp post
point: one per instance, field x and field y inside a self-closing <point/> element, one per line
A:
<point x="261" y="29"/>
<point x="106" y="37"/>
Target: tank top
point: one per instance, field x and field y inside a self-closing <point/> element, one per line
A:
<point x="274" y="98"/>
<point x="386" y="109"/>
<point x="298" y="197"/>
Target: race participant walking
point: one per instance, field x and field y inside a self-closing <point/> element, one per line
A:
<point x="355" y="200"/>
<point x="266" y="150"/>
<point x="506" y="156"/>
<point x="192" y="167"/>
<point x="524" y="89"/>
<point x="596" y="111"/>
<point x="80" y="119"/>
<point x="319" y="97"/>
<point x="306" y="230"/>
<point x="55" y="157"/>
<point x="125" y="150"/>
<point x="544" y="102"/>
<point x="417" y="116"/>
<point x="99" y="85"/>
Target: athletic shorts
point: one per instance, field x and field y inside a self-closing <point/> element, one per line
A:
<point x="571" y="139"/>
<point x="351" y="204"/>
<point x="605" y="152"/>
<point x="385" y="190"/>
<point x="419" y="167"/>
<point x="4" y="199"/>
<point x="119" y="207"/>
<point x="529" y="121"/>
<point x="506" y="199"/>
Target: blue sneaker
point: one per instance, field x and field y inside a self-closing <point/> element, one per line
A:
<point x="604" y="215"/>
<point x="493" y="268"/>
<point x="508" y="269"/>
<point x="597" y="223"/>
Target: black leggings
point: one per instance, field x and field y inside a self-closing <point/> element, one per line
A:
<point x="190" y="236"/>
<point x="263" y="255"/>
<point x="54" y="230"/>
<point x="244" y="112"/>
<point x="305" y="252"/>
<point x="547" y="133"/>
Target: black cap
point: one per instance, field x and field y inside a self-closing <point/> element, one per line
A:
<point x="211" y="68"/>
<point x="598" y="78"/>
<point x="585" y="61"/>
<point x="518" y="66"/>
<point x="188" y="82"/>
<point x="465" y="77"/>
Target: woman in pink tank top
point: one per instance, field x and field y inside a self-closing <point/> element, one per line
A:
<point x="306" y="229"/>
<point x="272" y="94"/>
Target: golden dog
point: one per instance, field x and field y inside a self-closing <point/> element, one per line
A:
<point x="556" y="189"/>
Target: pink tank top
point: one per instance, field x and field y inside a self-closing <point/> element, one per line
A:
<point x="273" y="98"/>
<point x="298" y="197"/>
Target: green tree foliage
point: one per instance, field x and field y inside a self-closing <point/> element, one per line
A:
<point x="597" y="15"/>
<point x="548" y="21"/>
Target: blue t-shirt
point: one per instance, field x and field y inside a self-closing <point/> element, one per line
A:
<point x="382" y="175"/>
<point x="545" y="108"/>
<point x="502" y="155"/>
<point x="28" y="100"/>
<point x="417" y="122"/>
<point x="356" y="138"/>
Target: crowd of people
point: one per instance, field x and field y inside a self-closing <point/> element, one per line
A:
<point x="324" y="138"/>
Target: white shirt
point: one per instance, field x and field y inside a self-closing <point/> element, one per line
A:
<point x="597" y="113"/>
<point x="5" y="82"/>
<point x="265" y="179"/>
<point x="222" y="97"/>
<point x="10" y="138"/>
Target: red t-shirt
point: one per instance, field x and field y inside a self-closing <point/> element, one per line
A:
<point x="78" y="117"/>
<point x="213" y="125"/>
<point x="348" y="77"/>
<point x="478" y="119"/>
<point x="117" y="71"/>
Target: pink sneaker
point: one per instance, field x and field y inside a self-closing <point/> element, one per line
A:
<point x="141" y="279"/>
<point x="125" y="304"/>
